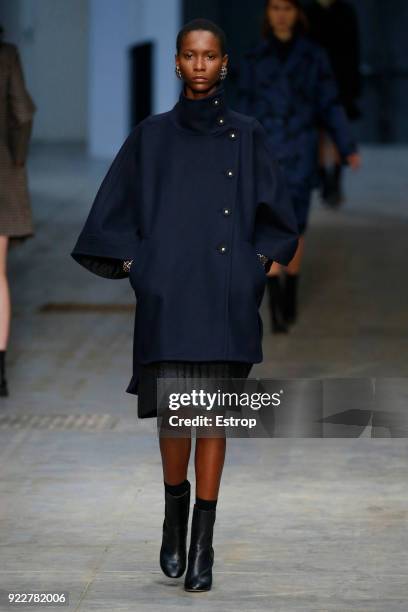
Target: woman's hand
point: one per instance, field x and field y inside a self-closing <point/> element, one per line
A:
<point x="354" y="161"/>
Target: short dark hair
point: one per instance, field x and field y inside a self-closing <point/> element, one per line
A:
<point x="202" y="24"/>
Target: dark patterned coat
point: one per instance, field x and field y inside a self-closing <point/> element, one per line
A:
<point x="291" y="99"/>
<point x="192" y="196"/>
<point x="16" y="115"/>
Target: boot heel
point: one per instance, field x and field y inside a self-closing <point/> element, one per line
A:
<point x="4" y="389"/>
<point x="173" y="551"/>
<point x="201" y="553"/>
<point x="3" y="382"/>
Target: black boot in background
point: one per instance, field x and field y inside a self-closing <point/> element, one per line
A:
<point x="201" y="553"/>
<point x="3" y="382"/>
<point x="324" y="186"/>
<point x="275" y="300"/>
<point x="173" y="552"/>
<point x="334" y="193"/>
<point x="290" y="299"/>
<point x="338" y="196"/>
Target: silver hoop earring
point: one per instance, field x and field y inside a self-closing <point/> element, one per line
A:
<point x="178" y="72"/>
<point x="223" y="72"/>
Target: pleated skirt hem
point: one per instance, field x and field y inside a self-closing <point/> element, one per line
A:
<point x="149" y="373"/>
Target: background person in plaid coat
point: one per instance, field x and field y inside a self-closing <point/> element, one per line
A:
<point x="16" y="114"/>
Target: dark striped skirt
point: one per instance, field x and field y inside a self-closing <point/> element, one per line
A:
<point x="149" y="373"/>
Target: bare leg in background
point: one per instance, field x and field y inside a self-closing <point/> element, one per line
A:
<point x="294" y="266"/>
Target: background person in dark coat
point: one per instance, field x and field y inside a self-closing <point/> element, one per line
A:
<point x="188" y="203"/>
<point x="333" y="24"/>
<point x="16" y="114"/>
<point x="286" y="81"/>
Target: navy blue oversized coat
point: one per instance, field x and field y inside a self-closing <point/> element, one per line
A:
<point x="291" y="99"/>
<point x="192" y="196"/>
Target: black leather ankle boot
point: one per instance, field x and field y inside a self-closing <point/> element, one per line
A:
<point x="173" y="552"/>
<point x="290" y="298"/>
<point x="3" y="382"/>
<point x="336" y="197"/>
<point x="324" y="183"/>
<point x="333" y="193"/>
<point x="275" y="298"/>
<point x="201" y="553"/>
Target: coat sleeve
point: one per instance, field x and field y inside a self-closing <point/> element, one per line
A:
<point x="110" y="233"/>
<point x="276" y="229"/>
<point x="21" y="110"/>
<point x="330" y="109"/>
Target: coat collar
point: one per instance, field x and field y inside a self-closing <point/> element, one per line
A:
<point x="208" y="114"/>
<point x="267" y="50"/>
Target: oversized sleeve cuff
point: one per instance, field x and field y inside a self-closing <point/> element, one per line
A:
<point x="111" y="234"/>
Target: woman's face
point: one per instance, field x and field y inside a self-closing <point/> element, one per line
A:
<point x="200" y="60"/>
<point x="282" y="16"/>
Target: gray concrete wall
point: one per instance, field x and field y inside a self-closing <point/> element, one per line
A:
<point x="52" y="37"/>
<point x="112" y="32"/>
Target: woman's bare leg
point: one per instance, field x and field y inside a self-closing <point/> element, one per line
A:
<point x="275" y="269"/>
<point x="209" y="463"/>
<point x="330" y="170"/>
<point x="175" y="453"/>
<point x="294" y="265"/>
<point x="328" y="152"/>
<point x="5" y="305"/>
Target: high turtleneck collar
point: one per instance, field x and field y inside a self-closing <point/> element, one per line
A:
<point x="208" y="114"/>
<point x="282" y="48"/>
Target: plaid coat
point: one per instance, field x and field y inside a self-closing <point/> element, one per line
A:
<point x="16" y="114"/>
